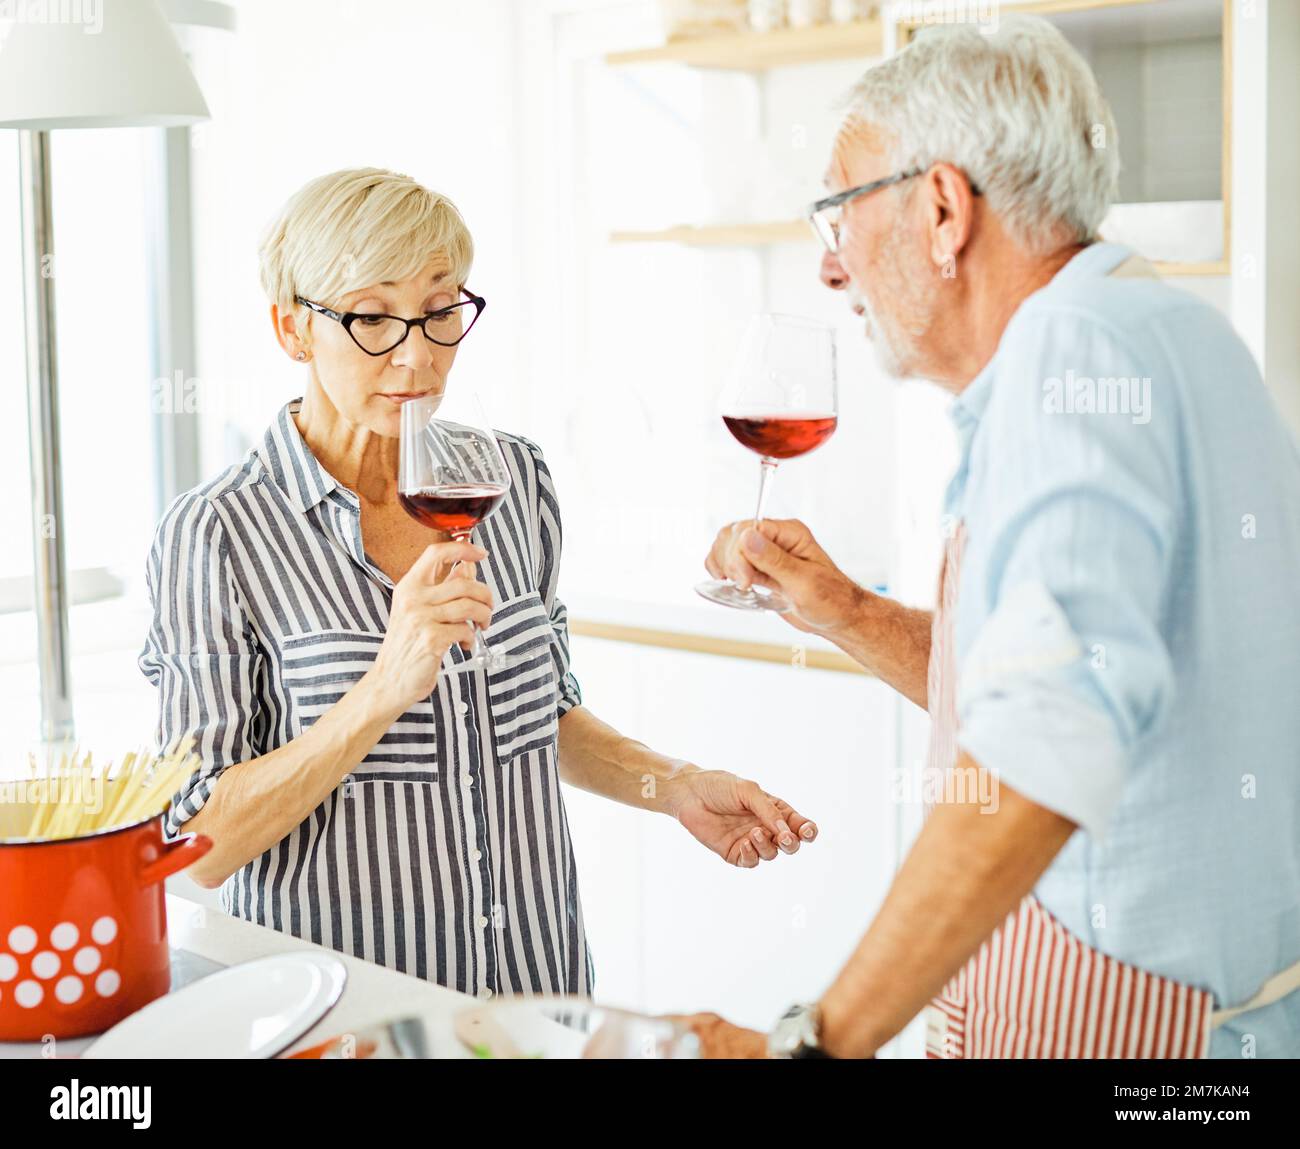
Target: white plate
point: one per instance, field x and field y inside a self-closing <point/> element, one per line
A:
<point x="255" y="1009"/>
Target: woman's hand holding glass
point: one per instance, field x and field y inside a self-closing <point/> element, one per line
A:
<point x="433" y="607"/>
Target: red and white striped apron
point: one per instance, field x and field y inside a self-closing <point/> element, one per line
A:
<point x="1033" y="989"/>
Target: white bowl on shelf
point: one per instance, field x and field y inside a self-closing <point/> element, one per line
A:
<point x="1183" y="231"/>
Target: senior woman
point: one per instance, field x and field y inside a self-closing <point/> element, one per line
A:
<point x="356" y="793"/>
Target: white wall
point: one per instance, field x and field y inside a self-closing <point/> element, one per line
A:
<point x="1265" y="172"/>
<point x="671" y="925"/>
<point x="425" y="87"/>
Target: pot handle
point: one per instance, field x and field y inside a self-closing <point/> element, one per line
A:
<point x="175" y="857"/>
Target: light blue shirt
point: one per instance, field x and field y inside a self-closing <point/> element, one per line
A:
<point x="1128" y="627"/>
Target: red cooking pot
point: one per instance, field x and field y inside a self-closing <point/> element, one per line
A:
<point x="83" y="927"/>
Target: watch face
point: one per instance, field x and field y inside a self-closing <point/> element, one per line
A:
<point x="795" y="1033"/>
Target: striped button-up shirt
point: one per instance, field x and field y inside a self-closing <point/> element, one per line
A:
<point x="445" y="853"/>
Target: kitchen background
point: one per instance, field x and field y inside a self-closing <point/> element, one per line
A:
<point x="632" y="205"/>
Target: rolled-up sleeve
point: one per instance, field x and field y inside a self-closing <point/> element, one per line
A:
<point x="200" y="651"/>
<point x="550" y="538"/>
<point x="1064" y="670"/>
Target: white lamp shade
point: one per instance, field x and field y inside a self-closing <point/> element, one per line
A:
<point x="130" y="72"/>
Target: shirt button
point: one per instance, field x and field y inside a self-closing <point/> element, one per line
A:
<point x="462" y="708"/>
<point x="466" y="780"/>
<point x="196" y="661"/>
<point x="482" y="922"/>
<point x="485" y="993"/>
<point x="477" y="855"/>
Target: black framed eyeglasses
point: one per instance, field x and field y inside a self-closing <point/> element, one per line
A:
<point x="824" y="215"/>
<point x="380" y="334"/>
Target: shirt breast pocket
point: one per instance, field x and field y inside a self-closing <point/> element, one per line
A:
<point x="319" y="667"/>
<point x="523" y="697"/>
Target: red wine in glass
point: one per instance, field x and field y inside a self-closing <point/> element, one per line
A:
<point x="456" y="508"/>
<point x="781" y="436"/>
<point x="451" y="475"/>
<point x="780" y="402"/>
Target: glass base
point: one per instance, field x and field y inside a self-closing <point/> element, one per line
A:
<point x="727" y="593"/>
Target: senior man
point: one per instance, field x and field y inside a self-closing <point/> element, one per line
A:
<point x="1115" y="639"/>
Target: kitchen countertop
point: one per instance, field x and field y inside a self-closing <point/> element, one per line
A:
<point x="372" y="994"/>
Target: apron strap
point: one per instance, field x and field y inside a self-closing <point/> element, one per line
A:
<point x="1275" y="989"/>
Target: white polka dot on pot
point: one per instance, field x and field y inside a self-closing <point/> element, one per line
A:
<point x="64" y="936"/>
<point x="28" y="994"/>
<point x="86" y="960"/>
<point x="8" y="967"/>
<point x="22" y="939"/>
<point x="45" y="965"/>
<point x="106" y="984"/>
<point x="69" y="989"/>
<point x="104" y="930"/>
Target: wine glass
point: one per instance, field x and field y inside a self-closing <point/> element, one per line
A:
<point x="570" y="1027"/>
<point x="450" y="476"/>
<point x="780" y="402"/>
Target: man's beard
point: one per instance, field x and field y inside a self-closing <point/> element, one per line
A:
<point x="903" y="278"/>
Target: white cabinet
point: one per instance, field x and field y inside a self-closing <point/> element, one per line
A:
<point x="672" y="927"/>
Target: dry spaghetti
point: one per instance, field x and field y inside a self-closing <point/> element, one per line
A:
<point x="77" y="798"/>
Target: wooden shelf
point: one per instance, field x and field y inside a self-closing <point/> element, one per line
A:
<point x="757" y="51"/>
<point x="711" y="644"/>
<point x="1210" y="267"/>
<point x="797" y="231"/>
<point x="723" y="235"/>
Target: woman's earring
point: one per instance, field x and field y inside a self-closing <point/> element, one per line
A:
<point x="301" y="356"/>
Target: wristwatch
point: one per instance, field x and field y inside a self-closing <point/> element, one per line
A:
<point x="798" y="1033"/>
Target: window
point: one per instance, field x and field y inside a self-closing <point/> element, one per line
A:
<point x="101" y="245"/>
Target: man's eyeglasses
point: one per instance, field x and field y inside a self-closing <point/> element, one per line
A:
<point x="380" y="334"/>
<point x="825" y="214"/>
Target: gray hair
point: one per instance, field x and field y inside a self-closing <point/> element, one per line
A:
<point x="1018" y="110"/>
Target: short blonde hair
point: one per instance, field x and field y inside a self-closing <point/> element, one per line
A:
<point x="356" y="228"/>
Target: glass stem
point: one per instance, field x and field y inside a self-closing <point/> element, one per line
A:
<point x="766" y="470"/>
<point x="479" y="647"/>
